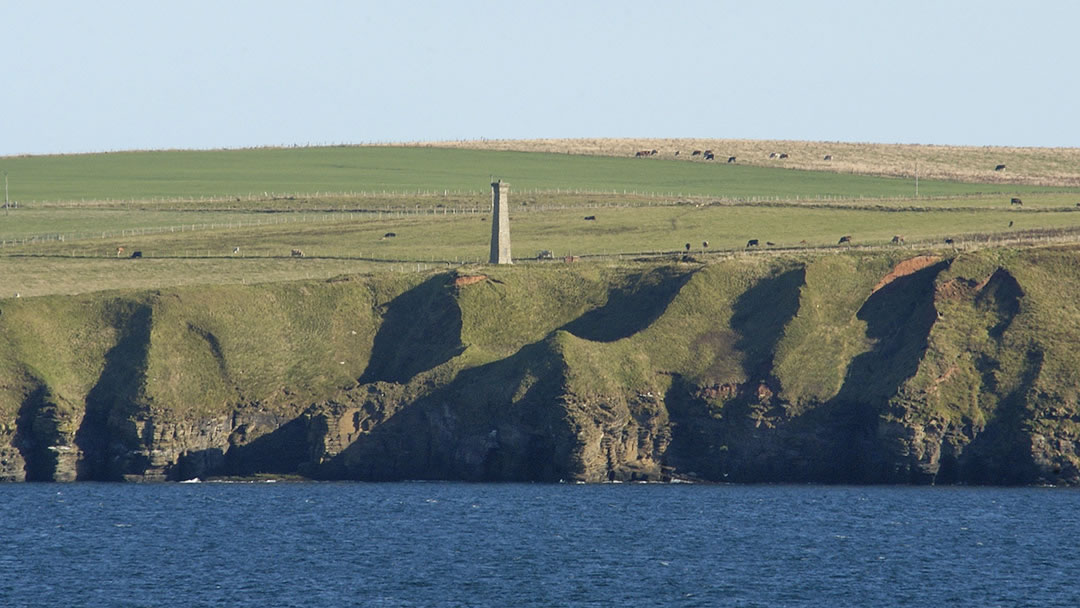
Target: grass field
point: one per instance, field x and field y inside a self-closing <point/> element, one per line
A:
<point x="187" y="212"/>
<point x="260" y="173"/>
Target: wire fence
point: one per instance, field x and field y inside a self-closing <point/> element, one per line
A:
<point x="267" y="196"/>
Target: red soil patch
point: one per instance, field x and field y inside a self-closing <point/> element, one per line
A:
<point x="955" y="288"/>
<point x="468" y="280"/>
<point x="907" y="267"/>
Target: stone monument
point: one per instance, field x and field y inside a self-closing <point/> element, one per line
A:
<point x="500" y="223"/>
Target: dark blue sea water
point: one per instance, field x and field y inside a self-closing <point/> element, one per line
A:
<point x="441" y="544"/>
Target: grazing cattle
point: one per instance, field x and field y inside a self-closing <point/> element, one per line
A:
<point x="948" y="241"/>
<point x="898" y="240"/>
<point x="783" y="155"/>
<point x="704" y="244"/>
<point x="119" y="250"/>
<point x="136" y="254"/>
<point x="828" y="157"/>
<point x="1010" y="221"/>
<point x="235" y="250"/>
<point x="296" y="253"/>
<point x="641" y="153"/>
<point x="773" y="155"/>
<point x="688" y="246"/>
<point x="708" y="155"/>
<point x="730" y="159"/>
<point x="545" y="255"/>
<point x="590" y="217"/>
<point x="999" y="168"/>
<point x="844" y="239"/>
<point x="752" y="243"/>
<point x="676" y="152"/>
<point x="389" y="235"/>
<point x="696" y="153"/>
<point x="770" y="244"/>
<point x="1016" y="201"/>
<point x="708" y="151"/>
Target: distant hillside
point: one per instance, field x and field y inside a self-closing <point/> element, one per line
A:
<point x="1032" y="166"/>
<point x="368" y="172"/>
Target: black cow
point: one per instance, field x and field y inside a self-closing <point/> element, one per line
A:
<point x="770" y="243"/>
<point x="948" y="241"/>
<point x="688" y="246"/>
<point x="590" y="217"/>
<point x="696" y="153"/>
<point x="844" y="239"/>
<point x="730" y="159"/>
<point x="136" y="254"/>
<point x="705" y="244"/>
<point x="898" y="240"/>
<point x="783" y="155"/>
<point x="1016" y="201"/>
<point x="708" y="155"/>
<point x="828" y="157"/>
<point x="773" y="154"/>
<point x="999" y="168"/>
<point x="389" y="235"/>
<point x="752" y="243"/>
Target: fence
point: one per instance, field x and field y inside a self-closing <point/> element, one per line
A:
<point x="515" y="192"/>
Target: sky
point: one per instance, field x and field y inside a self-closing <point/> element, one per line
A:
<point x="108" y="75"/>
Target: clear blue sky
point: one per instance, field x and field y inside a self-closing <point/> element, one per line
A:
<point x="95" y="76"/>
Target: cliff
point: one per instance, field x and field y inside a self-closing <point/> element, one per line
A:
<point x="886" y="367"/>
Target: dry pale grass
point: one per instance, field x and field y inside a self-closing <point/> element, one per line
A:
<point x="1030" y="166"/>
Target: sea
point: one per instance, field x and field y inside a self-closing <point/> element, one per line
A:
<point x="454" y="544"/>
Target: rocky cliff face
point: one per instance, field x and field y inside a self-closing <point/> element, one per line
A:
<point x="885" y="368"/>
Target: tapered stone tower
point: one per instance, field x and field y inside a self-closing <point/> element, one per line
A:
<point x="500" y="223"/>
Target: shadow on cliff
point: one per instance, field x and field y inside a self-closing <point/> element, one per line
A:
<point x="107" y="436"/>
<point x="1002" y="452"/>
<point x="714" y="435"/>
<point x="421" y="329"/>
<point x="1001" y="296"/>
<point x="631" y="308"/>
<point x="36" y="430"/>
<point x="282" y="451"/>
<point x="898" y="317"/>
<point x="750" y="438"/>
<point x="760" y="315"/>
<point x="480" y="427"/>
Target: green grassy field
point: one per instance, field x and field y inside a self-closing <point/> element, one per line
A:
<point x="244" y="173"/>
<point x="187" y="212"/>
